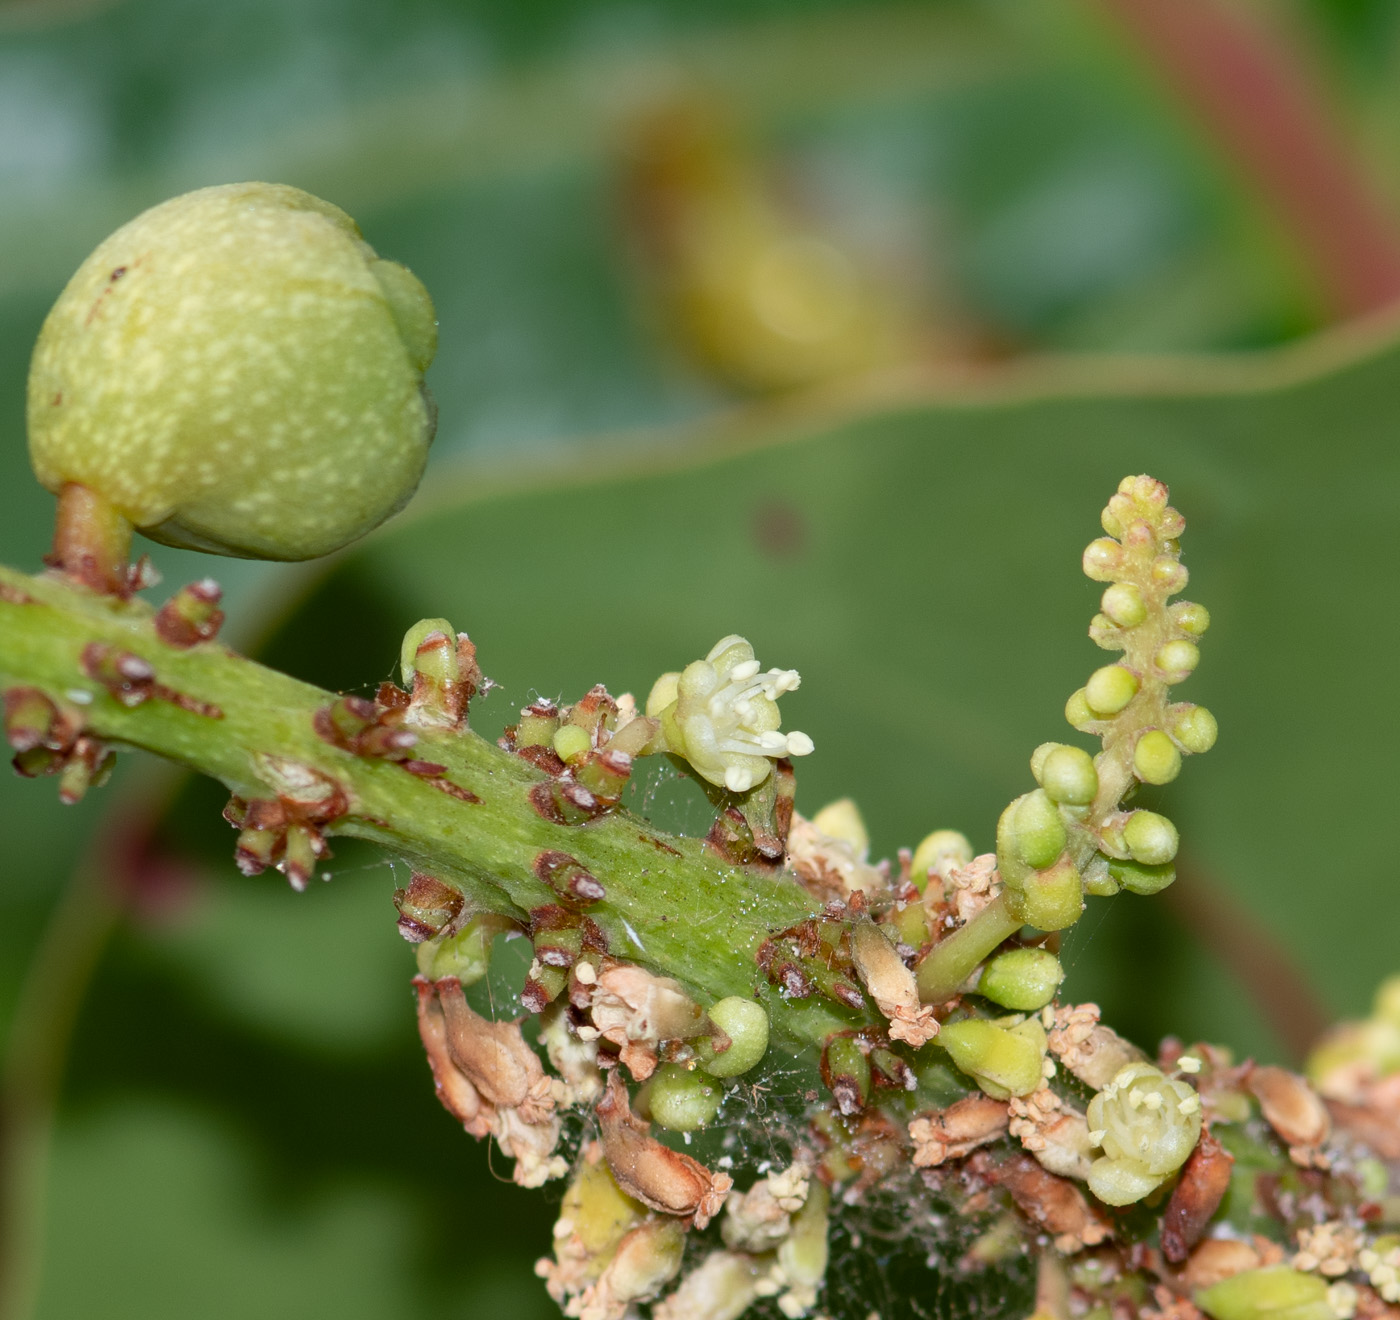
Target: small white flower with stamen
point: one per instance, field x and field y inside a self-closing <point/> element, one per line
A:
<point x="721" y="714"/>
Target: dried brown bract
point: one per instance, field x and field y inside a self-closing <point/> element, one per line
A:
<point x="1092" y="1052"/>
<point x="1373" y="1116"/>
<point x="952" y="1133"/>
<point x="636" y="1010"/>
<point x="1052" y="1203"/>
<point x="1295" y="1111"/>
<point x="1205" y="1178"/>
<point x="1216" y="1259"/>
<point x="658" y="1177"/>
<point x="891" y="985"/>
<point x="1055" y="1133"/>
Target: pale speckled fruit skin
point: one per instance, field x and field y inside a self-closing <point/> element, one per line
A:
<point x="236" y="371"/>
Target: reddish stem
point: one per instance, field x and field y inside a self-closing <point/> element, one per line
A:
<point x="91" y="541"/>
<point x="1256" y="98"/>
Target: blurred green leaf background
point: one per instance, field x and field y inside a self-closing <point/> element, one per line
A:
<point x="245" y="1124"/>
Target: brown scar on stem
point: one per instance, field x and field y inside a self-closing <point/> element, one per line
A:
<point x="658" y="845"/>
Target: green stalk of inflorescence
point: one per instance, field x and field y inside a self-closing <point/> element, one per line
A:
<point x="225" y="716"/>
<point x="1069" y="836"/>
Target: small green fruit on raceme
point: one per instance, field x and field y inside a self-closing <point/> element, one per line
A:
<point x="1023" y="979"/>
<point x="683" y="1100"/>
<point x="236" y="371"/>
<point x="746" y="1024"/>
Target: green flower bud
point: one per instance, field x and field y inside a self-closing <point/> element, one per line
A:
<point x="1123" y="603"/>
<point x="683" y="1099"/>
<point x="1193" y="727"/>
<point x="1031" y="829"/>
<point x="1139" y="879"/>
<point x="1102" y="559"/>
<point x="1178" y="659"/>
<point x="1386" y="1004"/>
<point x="933" y="848"/>
<point x="1147" y="1124"/>
<point x="803" y="1254"/>
<point x="414" y="638"/>
<point x="1097" y="878"/>
<point x="1170" y="573"/>
<point x="571" y="741"/>
<point x="1051" y="899"/>
<point x="842" y="820"/>
<point x="1274" y="1293"/>
<point x="1002" y="1061"/>
<point x="746" y="1024"/>
<point x="1077" y="711"/>
<point x="846" y="1071"/>
<point x="1190" y="617"/>
<point x="236" y="371"/>
<point x="1022" y="979"/>
<point x="1150" y="838"/>
<point x="1110" y="689"/>
<point x="466" y="955"/>
<point x="1067" y="775"/>
<point x="1155" y="758"/>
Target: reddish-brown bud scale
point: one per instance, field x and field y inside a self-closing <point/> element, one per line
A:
<point x="427" y="907"/>
<point x="32" y="720"/>
<point x="129" y="679"/>
<point x="1205" y="1178"/>
<point x="191" y="615"/>
<point x="568" y="878"/>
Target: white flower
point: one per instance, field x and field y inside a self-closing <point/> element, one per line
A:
<point x="1147" y="1124"/>
<point x="721" y="714"/>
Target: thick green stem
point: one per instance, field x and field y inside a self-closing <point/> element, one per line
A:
<point x="671" y="904"/>
<point x="950" y="961"/>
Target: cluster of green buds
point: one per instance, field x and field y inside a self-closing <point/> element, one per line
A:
<point x="1068" y="836"/>
<point x="720" y="714"/>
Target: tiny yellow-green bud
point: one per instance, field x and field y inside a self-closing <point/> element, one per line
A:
<point x="663" y="693"/>
<point x="933" y="848"/>
<point x="414" y="638"/>
<point x="1273" y="1293"/>
<point x="236" y="371"/>
<point x="682" y="1099"/>
<point x="1032" y="828"/>
<point x="1150" y="838"/>
<point x="1077" y="711"/>
<point x="1067" y="774"/>
<point x="571" y="741"/>
<point x="1138" y="878"/>
<point x="1097" y="878"/>
<point x="1178" y="659"/>
<point x="1102" y="559"/>
<point x="803" y="1254"/>
<point x="465" y="955"/>
<point x="1022" y="979"/>
<point x="1123" y="603"/>
<point x="746" y="1024"/>
<point x="1049" y="899"/>
<point x="1002" y="1061"/>
<point x="1170" y="573"/>
<point x="1190" y="617"/>
<point x="1110" y="689"/>
<point x="1193" y="727"/>
<point x="1038" y="757"/>
<point x="1386" y="1004"/>
<point x="842" y="820"/>
<point x="1155" y="758"/>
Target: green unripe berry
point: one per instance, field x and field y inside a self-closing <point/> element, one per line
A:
<point x="1155" y="758"/>
<point x="236" y="371"/>
<point x="1190" y="617"/>
<point x="683" y="1099"/>
<point x="933" y="848"/>
<point x="1123" y="603"/>
<point x="1194" y="727"/>
<point x="1274" y="1293"/>
<point x="1150" y="838"/>
<point x="1002" y="1061"/>
<point x="1178" y="659"/>
<point x="1022" y="979"/>
<point x="1110" y="689"/>
<point x="1067" y="774"/>
<point x="746" y="1024"/>
<point x="1138" y="878"/>
<point x="1031" y="829"/>
<point x="1077" y="711"/>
